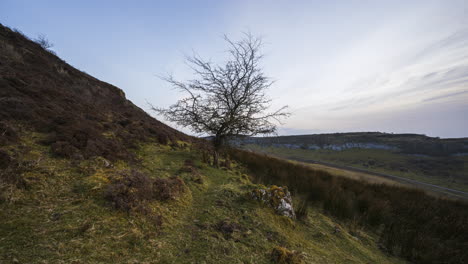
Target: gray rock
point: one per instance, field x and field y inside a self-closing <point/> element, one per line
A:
<point x="279" y="198"/>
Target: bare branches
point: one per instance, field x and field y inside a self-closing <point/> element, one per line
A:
<point x="44" y="42"/>
<point x="226" y="100"/>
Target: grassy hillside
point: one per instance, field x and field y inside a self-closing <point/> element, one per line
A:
<point x="62" y="216"/>
<point x="410" y="223"/>
<point x="88" y="177"/>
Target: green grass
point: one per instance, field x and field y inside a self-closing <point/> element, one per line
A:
<point x="450" y="172"/>
<point x="62" y="218"/>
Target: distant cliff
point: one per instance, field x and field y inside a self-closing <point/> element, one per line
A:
<point x="405" y="143"/>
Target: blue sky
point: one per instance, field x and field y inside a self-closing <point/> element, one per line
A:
<point x="391" y="66"/>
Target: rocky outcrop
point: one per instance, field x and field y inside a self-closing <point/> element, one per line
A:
<point x="279" y="198"/>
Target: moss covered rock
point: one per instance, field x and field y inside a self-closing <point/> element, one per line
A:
<point x="279" y="198"/>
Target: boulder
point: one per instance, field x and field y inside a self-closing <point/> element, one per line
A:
<point x="279" y="198"/>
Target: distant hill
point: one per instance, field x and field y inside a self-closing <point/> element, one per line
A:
<point x="405" y="143"/>
<point x="442" y="162"/>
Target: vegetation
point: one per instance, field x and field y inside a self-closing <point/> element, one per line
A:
<point x="87" y="177"/>
<point x="82" y="116"/>
<point x="228" y="100"/>
<point x="446" y="171"/>
<point x="411" y="224"/>
<point x="68" y="214"/>
<point x="404" y="143"/>
<point x="44" y="42"/>
<point x="285" y="256"/>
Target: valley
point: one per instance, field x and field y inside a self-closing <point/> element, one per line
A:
<point x="444" y="169"/>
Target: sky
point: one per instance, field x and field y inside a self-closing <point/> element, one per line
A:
<point x="340" y="66"/>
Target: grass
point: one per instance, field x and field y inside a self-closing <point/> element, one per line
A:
<point x="63" y="218"/>
<point x="447" y="172"/>
<point x="410" y="223"/>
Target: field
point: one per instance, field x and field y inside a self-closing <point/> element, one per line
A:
<point x="450" y="172"/>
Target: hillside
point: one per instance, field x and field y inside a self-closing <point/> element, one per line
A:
<point x="81" y="116"/>
<point x="88" y="177"/>
<point x="442" y="162"/>
<point x="404" y="143"/>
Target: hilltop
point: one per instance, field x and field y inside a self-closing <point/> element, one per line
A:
<point x="404" y="143"/>
<point x="88" y="177"/>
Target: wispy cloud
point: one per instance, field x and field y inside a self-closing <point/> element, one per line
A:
<point x="445" y="96"/>
<point x="340" y="65"/>
<point x="438" y="72"/>
<point x="413" y="70"/>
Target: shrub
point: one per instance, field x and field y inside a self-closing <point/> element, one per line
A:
<point x="64" y="149"/>
<point x="226" y="163"/>
<point x="131" y="190"/>
<point x="44" y="42"/>
<point x="5" y="160"/>
<point x="169" y="188"/>
<point x="7" y="134"/>
<point x="416" y="226"/>
<point x="302" y="209"/>
<point x="12" y="170"/>
<point x="282" y="255"/>
<point x="195" y="175"/>
<point x="340" y="205"/>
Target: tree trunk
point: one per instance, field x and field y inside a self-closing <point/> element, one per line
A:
<point x="217" y="144"/>
<point x="215" y="158"/>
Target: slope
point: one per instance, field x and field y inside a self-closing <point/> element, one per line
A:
<point x="64" y="217"/>
<point x="87" y="177"/>
<point x="81" y="115"/>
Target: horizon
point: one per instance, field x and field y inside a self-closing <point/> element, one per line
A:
<point x="342" y="67"/>
<point x="355" y="132"/>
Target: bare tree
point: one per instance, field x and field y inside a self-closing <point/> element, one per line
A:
<point x="226" y="100"/>
<point x="44" y="42"/>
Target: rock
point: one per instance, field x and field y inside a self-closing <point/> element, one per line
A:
<point x="279" y="198"/>
<point x="103" y="162"/>
<point x="337" y="230"/>
<point x="107" y="163"/>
